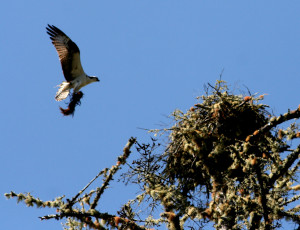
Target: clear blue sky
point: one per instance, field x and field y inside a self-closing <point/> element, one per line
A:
<point x="151" y="57"/>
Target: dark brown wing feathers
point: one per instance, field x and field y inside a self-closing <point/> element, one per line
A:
<point x="65" y="48"/>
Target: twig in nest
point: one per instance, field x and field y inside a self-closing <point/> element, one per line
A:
<point x="75" y="100"/>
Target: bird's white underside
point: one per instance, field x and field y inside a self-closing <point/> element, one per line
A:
<point x="77" y="84"/>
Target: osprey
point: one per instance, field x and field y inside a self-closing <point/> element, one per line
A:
<point x="69" y="56"/>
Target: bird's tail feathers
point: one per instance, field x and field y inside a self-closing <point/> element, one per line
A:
<point x="63" y="91"/>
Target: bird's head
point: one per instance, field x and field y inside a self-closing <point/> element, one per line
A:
<point x="94" y="79"/>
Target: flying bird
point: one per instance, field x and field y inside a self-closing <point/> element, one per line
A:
<point x="69" y="56"/>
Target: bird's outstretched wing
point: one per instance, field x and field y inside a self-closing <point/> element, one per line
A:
<point x="68" y="52"/>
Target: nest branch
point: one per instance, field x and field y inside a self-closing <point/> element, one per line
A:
<point x="274" y="121"/>
<point x="113" y="170"/>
